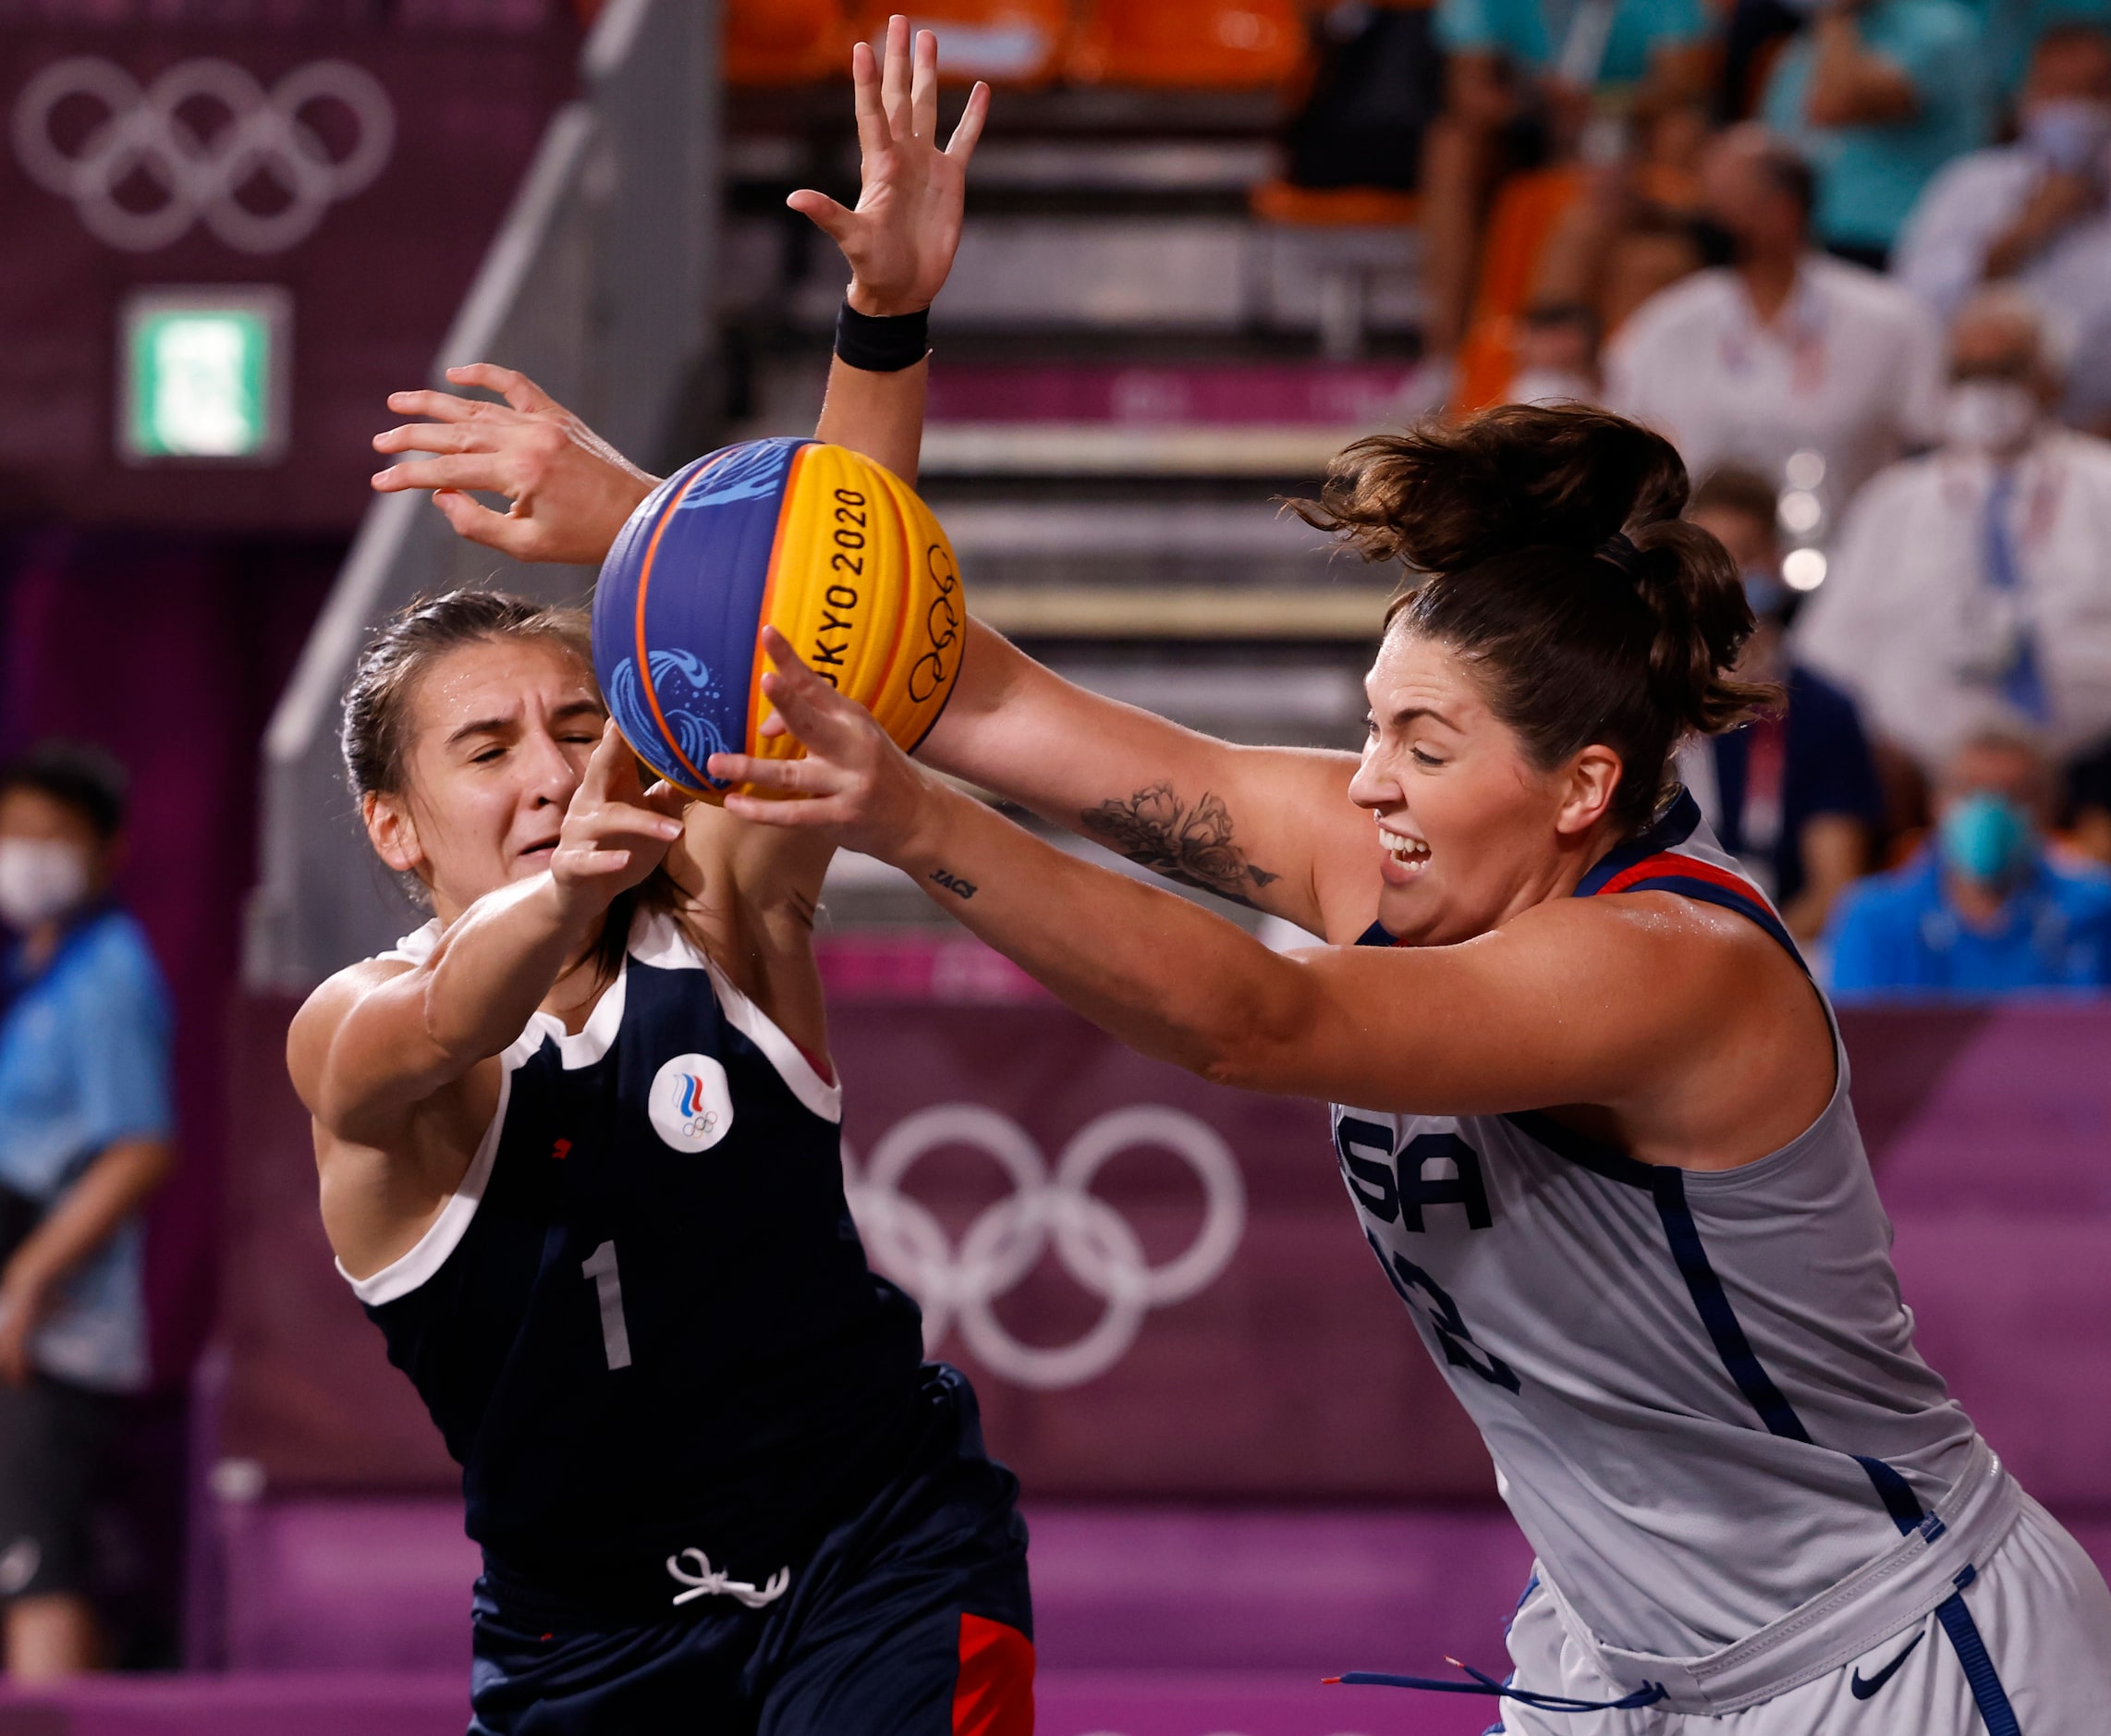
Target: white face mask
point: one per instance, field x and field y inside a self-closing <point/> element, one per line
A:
<point x="39" y="878"/>
<point x="1990" y="415"/>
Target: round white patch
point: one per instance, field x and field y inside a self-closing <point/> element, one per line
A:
<point x="691" y="1104"/>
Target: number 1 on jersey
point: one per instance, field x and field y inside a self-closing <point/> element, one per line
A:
<point x="600" y="1265"/>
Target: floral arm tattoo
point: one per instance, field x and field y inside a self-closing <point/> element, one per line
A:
<point x="1193" y="844"/>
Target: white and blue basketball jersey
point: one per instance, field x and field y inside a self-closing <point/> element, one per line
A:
<point x="1699" y="1388"/>
<point x="644" y="1322"/>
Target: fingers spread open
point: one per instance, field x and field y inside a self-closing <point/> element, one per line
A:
<point x="924" y="87"/>
<point x="439" y="406"/>
<point x="475" y="522"/>
<point x="469" y="469"/>
<point x="970" y="127"/>
<point x="865" y="95"/>
<point x="510" y="384"/>
<point x="895" y="79"/>
<point x="438" y="437"/>
<point x="831" y="218"/>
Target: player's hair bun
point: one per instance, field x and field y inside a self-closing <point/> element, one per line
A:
<point x="1545" y="542"/>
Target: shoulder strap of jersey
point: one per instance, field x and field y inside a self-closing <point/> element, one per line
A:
<point x="1661" y="860"/>
<point x="1666" y="859"/>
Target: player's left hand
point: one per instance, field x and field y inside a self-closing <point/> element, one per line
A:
<point x="901" y="239"/>
<point x="570" y="489"/>
<point x="861" y="789"/>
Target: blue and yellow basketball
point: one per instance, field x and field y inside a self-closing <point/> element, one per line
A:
<point x="819" y="541"/>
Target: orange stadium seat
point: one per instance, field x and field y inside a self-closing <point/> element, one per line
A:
<point x="1526" y="210"/>
<point x="1191" y="44"/>
<point x="1277" y="200"/>
<point x="785" y="41"/>
<point x="1005" y="42"/>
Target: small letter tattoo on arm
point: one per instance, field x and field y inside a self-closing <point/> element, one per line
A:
<point x="954" y="884"/>
<point x="1193" y="844"/>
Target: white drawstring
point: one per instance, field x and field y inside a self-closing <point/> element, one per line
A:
<point x="704" y="1583"/>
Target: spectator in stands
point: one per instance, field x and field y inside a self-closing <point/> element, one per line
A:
<point x="1971" y="586"/>
<point x="1630" y="234"/>
<point x="1557" y="356"/>
<point x="1793" y="794"/>
<point x="2011" y="29"/>
<point x="1879" y="94"/>
<point x="1516" y="98"/>
<point x="84" y="1139"/>
<point x="1780" y="359"/>
<point x="2034" y="212"/>
<point x="1982" y="909"/>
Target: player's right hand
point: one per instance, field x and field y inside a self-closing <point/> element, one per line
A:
<point x="901" y="239"/>
<point x="570" y="490"/>
<point x="616" y="832"/>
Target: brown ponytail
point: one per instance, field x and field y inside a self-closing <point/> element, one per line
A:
<point x="1515" y="524"/>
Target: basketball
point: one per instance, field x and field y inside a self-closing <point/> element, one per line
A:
<point x="833" y="550"/>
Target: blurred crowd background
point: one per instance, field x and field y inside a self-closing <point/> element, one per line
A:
<point x="1853" y="259"/>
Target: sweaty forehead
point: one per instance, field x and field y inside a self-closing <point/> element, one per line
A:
<point x="499" y="679"/>
<point x="1415" y="673"/>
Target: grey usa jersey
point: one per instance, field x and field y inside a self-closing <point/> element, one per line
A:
<point x="1699" y="1388"/>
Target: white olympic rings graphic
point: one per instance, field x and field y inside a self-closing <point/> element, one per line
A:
<point x="1094" y="1242"/>
<point x="145" y="132"/>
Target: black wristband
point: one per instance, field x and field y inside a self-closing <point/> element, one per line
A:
<point x="882" y="345"/>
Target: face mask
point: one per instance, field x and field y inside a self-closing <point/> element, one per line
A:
<point x="1990" y="415"/>
<point x="1763" y="592"/>
<point x="1988" y="838"/>
<point x="2069" y="132"/>
<point x="39" y="878"/>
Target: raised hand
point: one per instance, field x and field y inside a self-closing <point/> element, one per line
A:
<point x="570" y="490"/>
<point x="901" y="238"/>
<point x="616" y="832"/>
<point x="861" y="789"/>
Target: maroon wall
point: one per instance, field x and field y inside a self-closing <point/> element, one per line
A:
<point x="373" y="287"/>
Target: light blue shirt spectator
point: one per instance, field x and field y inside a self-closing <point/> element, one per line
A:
<point x="84" y="1065"/>
<point x="1533" y="33"/>
<point x="1870" y="175"/>
<point x="1897" y="936"/>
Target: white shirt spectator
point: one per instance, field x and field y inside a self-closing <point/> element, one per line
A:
<point x="1942" y="258"/>
<point x="1850" y="368"/>
<point x="1908" y="622"/>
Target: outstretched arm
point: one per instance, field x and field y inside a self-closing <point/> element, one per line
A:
<point x="571" y="491"/>
<point x="379" y="1038"/>
<point x="1574" y="1002"/>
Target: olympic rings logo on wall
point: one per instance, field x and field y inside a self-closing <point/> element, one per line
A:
<point x="1093" y="1242"/>
<point x="149" y="138"/>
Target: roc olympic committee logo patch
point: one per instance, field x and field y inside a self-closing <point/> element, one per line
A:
<point x="692" y="1105"/>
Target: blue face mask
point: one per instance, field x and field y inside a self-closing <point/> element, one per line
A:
<point x="1988" y="838"/>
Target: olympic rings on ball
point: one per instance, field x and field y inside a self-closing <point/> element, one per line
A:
<point x="146" y="133"/>
<point x="1094" y="1244"/>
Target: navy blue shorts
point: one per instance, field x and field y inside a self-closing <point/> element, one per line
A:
<point x="911" y="1619"/>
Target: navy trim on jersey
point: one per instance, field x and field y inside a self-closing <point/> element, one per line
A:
<point x="1713" y="1304"/>
<point x="1678" y="823"/>
<point x="1988" y="1693"/>
<point x="1726" y="898"/>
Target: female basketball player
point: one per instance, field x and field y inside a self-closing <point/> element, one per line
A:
<point x="579" y="1150"/>
<point x="1591" y="1110"/>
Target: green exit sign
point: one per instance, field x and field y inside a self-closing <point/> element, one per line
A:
<point x="203" y="374"/>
